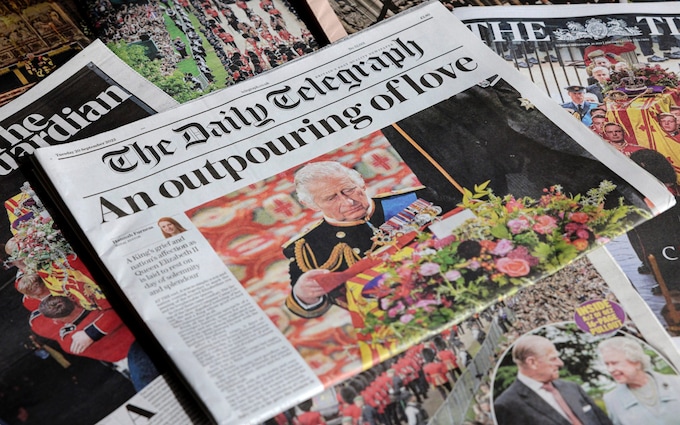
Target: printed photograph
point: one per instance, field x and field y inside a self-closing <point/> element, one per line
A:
<point x="62" y="339"/>
<point x="391" y="238"/>
<point x="36" y="37"/>
<point x="559" y="372"/>
<point x="617" y="74"/>
<point x="192" y="47"/>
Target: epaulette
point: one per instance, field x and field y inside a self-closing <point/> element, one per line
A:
<point x="302" y="233"/>
<point x="398" y="192"/>
<point x="34" y="314"/>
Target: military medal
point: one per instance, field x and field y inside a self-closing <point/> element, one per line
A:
<point x="419" y="213"/>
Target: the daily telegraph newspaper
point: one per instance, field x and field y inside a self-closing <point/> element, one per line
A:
<point x="626" y="58"/>
<point x="280" y="236"/>
<point x="455" y="377"/>
<point x="78" y="367"/>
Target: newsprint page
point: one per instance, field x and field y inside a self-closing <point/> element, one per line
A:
<point x="456" y="377"/>
<point x="624" y="59"/>
<point x="81" y="367"/>
<point x="282" y="235"/>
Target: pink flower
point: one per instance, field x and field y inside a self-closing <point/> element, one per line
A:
<point x="394" y="311"/>
<point x="502" y="247"/>
<point x="429" y="269"/>
<point x="404" y="272"/>
<point x="452" y="275"/>
<point x="513" y="205"/>
<point x="446" y="241"/>
<point x="513" y="267"/>
<point x="518" y="225"/>
<point x="406" y="318"/>
<point x="425" y="303"/>
<point x="522" y="253"/>
<point x="579" y="217"/>
<point x="545" y="224"/>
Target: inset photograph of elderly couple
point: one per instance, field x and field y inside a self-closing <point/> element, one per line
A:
<point x="560" y="374"/>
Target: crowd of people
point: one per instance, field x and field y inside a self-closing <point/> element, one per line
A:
<point x="266" y="38"/>
<point x="642" y="122"/>
<point x="135" y="22"/>
<point x="246" y="40"/>
<point x="555" y="298"/>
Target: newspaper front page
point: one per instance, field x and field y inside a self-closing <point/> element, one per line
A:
<point x="282" y="235"/>
<point x="67" y="369"/>
<point x="626" y="58"/>
<point x="454" y="377"/>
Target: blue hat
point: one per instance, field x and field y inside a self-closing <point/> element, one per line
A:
<point x="575" y="89"/>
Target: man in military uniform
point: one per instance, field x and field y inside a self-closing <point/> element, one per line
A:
<point x="578" y="106"/>
<point x="344" y="235"/>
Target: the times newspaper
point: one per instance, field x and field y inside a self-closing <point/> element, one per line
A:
<point x="475" y="354"/>
<point x="626" y="58"/>
<point x="68" y="369"/>
<point x="282" y="235"/>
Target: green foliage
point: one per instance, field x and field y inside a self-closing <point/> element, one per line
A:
<point x="173" y="84"/>
<point x="505" y="376"/>
<point x="509" y="242"/>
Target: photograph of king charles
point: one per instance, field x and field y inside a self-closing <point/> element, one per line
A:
<point x="343" y="236"/>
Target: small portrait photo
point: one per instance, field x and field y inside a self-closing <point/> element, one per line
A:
<point x="170" y="227"/>
<point x="559" y="374"/>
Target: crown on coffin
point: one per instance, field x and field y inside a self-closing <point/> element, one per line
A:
<point x="633" y="82"/>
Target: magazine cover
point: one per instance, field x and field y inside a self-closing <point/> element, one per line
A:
<point x="36" y="37"/>
<point x="296" y="229"/>
<point x="63" y="343"/>
<point x="621" y="65"/>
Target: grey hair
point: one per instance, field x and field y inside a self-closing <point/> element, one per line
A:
<point x="600" y="67"/>
<point x="529" y="346"/>
<point x="630" y="348"/>
<point x="316" y="171"/>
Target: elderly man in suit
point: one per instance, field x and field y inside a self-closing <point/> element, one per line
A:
<point x="602" y="75"/>
<point x="537" y="396"/>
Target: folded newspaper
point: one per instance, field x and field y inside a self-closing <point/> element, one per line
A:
<point x="282" y="235"/>
<point x="89" y="357"/>
<point x="623" y="61"/>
